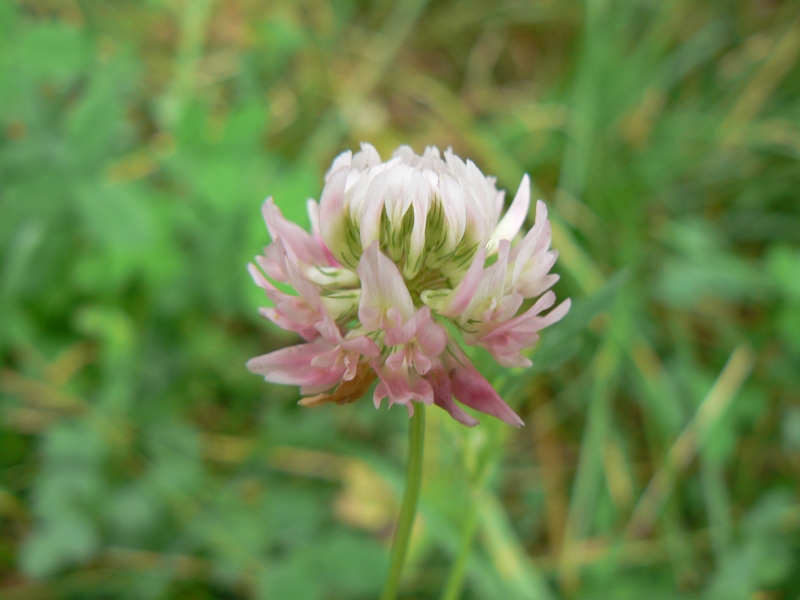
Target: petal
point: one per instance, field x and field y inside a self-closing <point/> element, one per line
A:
<point x="396" y="360"/>
<point x="313" y="216"/>
<point x="271" y="263"/>
<point x="421" y="194"/>
<point x="431" y="337"/>
<point x="355" y="344"/>
<point x="358" y="188"/>
<point x="457" y="301"/>
<point x="536" y="240"/>
<point x="261" y="281"/>
<point x="513" y="220"/>
<point x="299" y="243"/>
<point x="402" y="387"/>
<point x="397" y="183"/>
<point x="443" y="398"/>
<point x="302" y="326"/>
<point x="455" y="190"/>
<point x="504" y="341"/>
<point x="555" y="315"/>
<point x="343" y="161"/>
<point x="513" y="358"/>
<point x="307" y="290"/>
<point x="484" y="193"/>
<point x="520" y="326"/>
<point x="405" y="331"/>
<point x="406" y="153"/>
<point x="382" y="287"/>
<point x="492" y="283"/>
<point x="421" y="363"/>
<point x="292" y="313"/>
<point x="368" y="157"/>
<point x="454" y="210"/>
<point x="293" y="366"/>
<point x="362" y="345"/>
<point x="332" y="217"/>
<point x="379" y="394"/>
<point x="537" y="287"/>
<point x="470" y="388"/>
<point x="373" y="209"/>
<point x="530" y="321"/>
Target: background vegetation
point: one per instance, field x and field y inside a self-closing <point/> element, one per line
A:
<point x="139" y="459"/>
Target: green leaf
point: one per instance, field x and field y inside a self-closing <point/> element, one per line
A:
<point x="70" y="540"/>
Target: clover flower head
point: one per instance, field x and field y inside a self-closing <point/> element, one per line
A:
<point x="404" y="257"/>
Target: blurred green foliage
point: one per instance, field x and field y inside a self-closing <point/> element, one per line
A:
<point x="139" y="459"/>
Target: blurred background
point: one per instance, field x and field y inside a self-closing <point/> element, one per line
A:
<point x="138" y="457"/>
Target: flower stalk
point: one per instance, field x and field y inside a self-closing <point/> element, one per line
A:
<point x="408" y="509"/>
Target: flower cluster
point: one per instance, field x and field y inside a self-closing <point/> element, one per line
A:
<point x="404" y="257"/>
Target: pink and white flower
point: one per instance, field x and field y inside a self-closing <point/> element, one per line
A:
<point x="405" y="257"/>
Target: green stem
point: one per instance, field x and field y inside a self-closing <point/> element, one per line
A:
<point x="455" y="581"/>
<point x="416" y="443"/>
